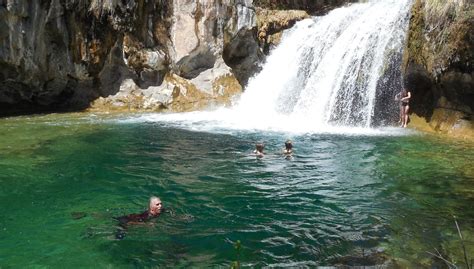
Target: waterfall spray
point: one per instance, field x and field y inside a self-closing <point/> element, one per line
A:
<point x="326" y="70"/>
<point x="332" y="74"/>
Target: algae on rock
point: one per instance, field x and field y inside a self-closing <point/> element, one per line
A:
<point x="438" y="65"/>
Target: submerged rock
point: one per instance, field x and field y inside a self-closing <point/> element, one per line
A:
<point x="78" y="215"/>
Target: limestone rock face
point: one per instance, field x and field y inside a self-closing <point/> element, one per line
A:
<point x="59" y="55"/>
<point x="438" y="64"/>
<point x="314" y="7"/>
<point x="217" y="86"/>
<point x="275" y="16"/>
<point x="241" y="49"/>
<point x="271" y="24"/>
<point x="62" y="55"/>
<point x="194" y="67"/>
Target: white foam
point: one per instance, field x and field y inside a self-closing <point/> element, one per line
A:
<point x="228" y="121"/>
<point x="322" y="78"/>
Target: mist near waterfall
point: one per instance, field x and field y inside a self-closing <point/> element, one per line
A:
<point x="334" y="73"/>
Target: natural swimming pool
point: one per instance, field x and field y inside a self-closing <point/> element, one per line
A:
<point x="342" y="198"/>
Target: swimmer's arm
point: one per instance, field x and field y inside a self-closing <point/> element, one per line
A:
<point x="407" y="97"/>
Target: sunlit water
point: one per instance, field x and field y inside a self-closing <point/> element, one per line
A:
<point x="353" y="198"/>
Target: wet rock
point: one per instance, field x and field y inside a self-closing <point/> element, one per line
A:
<point x="438" y="65"/>
<point x="64" y="55"/>
<point x="241" y="49"/>
<point x="271" y="24"/>
<point x="313" y="7"/>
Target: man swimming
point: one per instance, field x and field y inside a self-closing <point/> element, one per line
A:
<point x="259" y="150"/>
<point x="155" y="208"/>
<point x="288" y="150"/>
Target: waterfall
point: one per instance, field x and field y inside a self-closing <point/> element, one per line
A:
<point x="332" y="74"/>
<point x="327" y="70"/>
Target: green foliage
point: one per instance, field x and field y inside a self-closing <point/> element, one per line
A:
<point x="415" y="34"/>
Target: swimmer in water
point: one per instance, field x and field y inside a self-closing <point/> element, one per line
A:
<point x="259" y="150"/>
<point x="288" y="150"/>
<point x="155" y="208"/>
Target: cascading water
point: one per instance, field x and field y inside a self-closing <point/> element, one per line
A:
<point x="329" y="74"/>
<point x="326" y="69"/>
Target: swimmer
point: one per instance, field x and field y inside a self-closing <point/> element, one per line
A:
<point x="259" y="150"/>
<point x="155" y="208"/>
<point x="288" y="150"/>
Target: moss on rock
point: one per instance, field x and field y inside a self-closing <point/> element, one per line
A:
<point x="438" y="65"/>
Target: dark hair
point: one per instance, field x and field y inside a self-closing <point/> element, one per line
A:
<point x="288" y="144"/>
<point x="259" y="146"/>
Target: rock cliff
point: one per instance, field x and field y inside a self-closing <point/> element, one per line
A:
<point x="59" y="55"/>
<point x="180" y="55"/>
<point x="275" y="16"/>
<point x="438" y="64"/>
<point x="64" y="54"/>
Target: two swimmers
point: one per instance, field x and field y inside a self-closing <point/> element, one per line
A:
<point x="287" y="151"/>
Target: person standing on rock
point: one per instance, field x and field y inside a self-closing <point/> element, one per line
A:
<point x="405" y="106"/>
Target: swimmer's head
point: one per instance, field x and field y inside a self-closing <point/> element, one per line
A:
<point x="259" y="147"/>
<point x="288" y="144"/>
<point x="155" y="205"/>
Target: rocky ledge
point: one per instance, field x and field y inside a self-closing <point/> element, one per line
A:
<point x="438" y="64"/>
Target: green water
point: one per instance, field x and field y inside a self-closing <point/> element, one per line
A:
<point x="342" y="199"/>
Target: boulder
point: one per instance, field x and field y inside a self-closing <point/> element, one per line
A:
<point x="214" y="87"/>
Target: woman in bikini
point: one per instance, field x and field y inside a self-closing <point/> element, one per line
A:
<point x="405" y="107"/>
